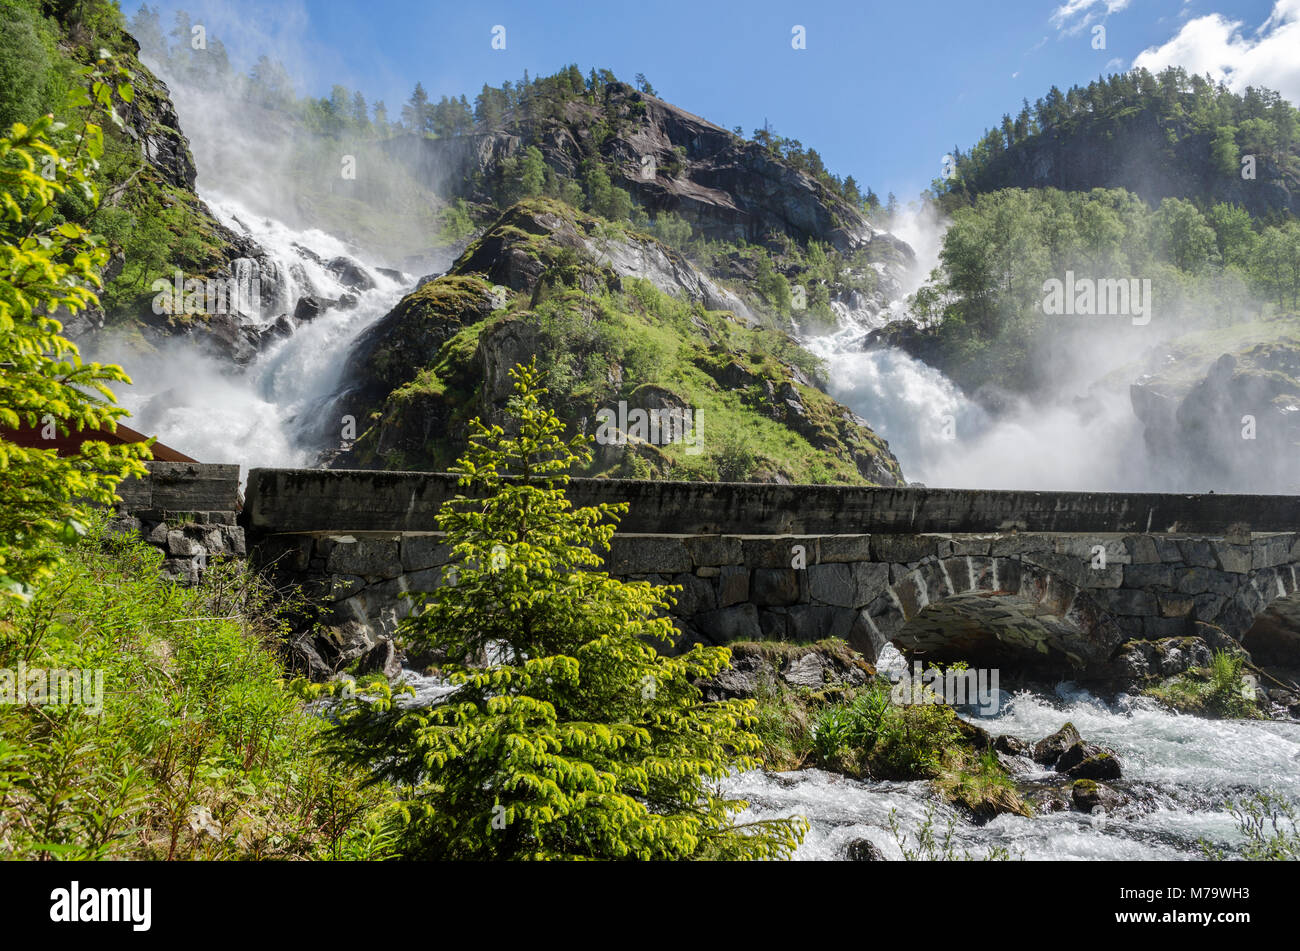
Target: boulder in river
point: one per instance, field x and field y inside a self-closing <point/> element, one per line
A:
<point x="1088" y="795"/>
<point x="864" y="850"/>
<point x="1098" y="762"/>
<point x="1067" y="752"/>
<point x="1049" y="749"/>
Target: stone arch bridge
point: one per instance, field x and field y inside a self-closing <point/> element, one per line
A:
<point x="1041" y="582"/>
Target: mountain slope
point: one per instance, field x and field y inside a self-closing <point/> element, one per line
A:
<point x="669" y="160"/>
<point x="613" y="317"/>
<point x="147" y="208"/>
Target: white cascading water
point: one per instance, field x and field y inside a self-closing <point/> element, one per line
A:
<point x="214" y="412"/>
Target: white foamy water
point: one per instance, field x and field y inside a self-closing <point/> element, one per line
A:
<point x="259" y="415"/>
<point x="1182" y="770"/>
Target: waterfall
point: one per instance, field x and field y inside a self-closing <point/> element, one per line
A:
<point x="260" y="415"/>
<point x="1086" y="439"/>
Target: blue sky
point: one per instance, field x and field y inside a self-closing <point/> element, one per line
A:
<point x="882" y="90"/>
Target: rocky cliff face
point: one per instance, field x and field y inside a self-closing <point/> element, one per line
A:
<point x="667" y="158"/>
<point x="616" y="318"/>
<point x="155" y="185"/>
<point x="1153" y="159"/>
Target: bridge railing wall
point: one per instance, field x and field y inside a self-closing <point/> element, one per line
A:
<point x="298" y="500"/>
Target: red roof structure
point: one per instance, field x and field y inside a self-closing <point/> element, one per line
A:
<point x="29" y="437"/>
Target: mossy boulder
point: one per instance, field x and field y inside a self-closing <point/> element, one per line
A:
<point x="1090" y="796"/>
<point x="1049" y="750"/>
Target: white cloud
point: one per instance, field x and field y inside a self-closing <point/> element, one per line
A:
<point x="1228" y="51"/>
<point x="1073" y="15"/>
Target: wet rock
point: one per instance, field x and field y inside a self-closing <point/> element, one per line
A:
<point x="350" y="274"/>
<point x="1088" y="795"/>
<point x="309" y="306"/>
<point x="1048" y="750"/>
<point x="1015" y="765"/>
<point x="1045" y="799"/>
<point x="864" y="850"/>
<point x="979" y="738"/>
<point x="1097" y="762"/>
<point x="1012" y="745"/>
<point x="384" y="658"/>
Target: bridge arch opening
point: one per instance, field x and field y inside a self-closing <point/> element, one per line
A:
<point x="993" y="612"/>
<point x="989" y="629"/>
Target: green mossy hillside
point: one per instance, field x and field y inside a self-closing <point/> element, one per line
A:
<point x="540" y="281"/>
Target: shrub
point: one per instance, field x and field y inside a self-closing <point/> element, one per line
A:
<point x="1271" y="825"/>
<point x="199" y="751"/>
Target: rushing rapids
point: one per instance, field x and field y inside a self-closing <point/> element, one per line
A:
<point x="1180" y="771"/>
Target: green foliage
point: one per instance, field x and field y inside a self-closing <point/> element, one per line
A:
<point x="772" y="286"/>
<point x="1271" y="824"/>
<point x="456" y="225"/>
<point x="30" y="83"/>
<point x="1223" y="150"/>
<point x="568" y="735"/>
<point x="873" y="735"/>
<point x="198" y="750"/>
<point x="852" y="726"/>
<point x="1184" y="105"/>
<point x="984" y="309"/>
<point x="1182" y="236"/>
<point x="783" y="726"/>
<point x="930" y="847"/>
<point x="48" y="266"/>
<point x="522" y="176"/>
<point x="672" y="230"/>
<point x="1221" y="690"/>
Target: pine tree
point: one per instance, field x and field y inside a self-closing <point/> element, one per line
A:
<point x="573" y="737"/>
<point x="416" y="113"/>
<point x="360" y="111"/>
